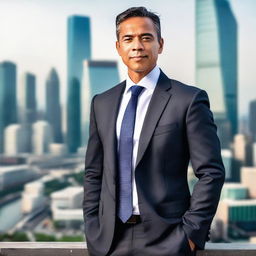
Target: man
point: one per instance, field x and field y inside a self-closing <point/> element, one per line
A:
<point x="143" y="132"/>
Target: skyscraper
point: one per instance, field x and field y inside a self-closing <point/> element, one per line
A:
<point x="8" y="102"/>
<point x="53" y="109"/>
<point x="28" y="99"/>
<point x="216" y="62"/>
<point x="16" y="139"/>
<point x="252" y="119"/>
<point x="41" y="137"/>
<point x="79" y="49"/>
<point x="27" y="109"/>
<point x="98" y="76"/>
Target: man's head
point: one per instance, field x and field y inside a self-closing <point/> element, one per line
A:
<point x="138" y="40"/>
<point x="138" y="12"/>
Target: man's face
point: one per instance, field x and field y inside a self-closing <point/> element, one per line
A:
<point x="138" y="45"/>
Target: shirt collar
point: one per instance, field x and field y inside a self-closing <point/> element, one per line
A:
<point x="149" y="81"/>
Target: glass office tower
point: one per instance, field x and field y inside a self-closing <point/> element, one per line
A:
<point x="216" y="63"/>
<point x="98" y="76"/>
<point x="28" y="98"/>
<point x="8" y="102"/>
<point x="53" y="109"/>
<point x="79" y="49"/>
<point x="252" y="119"/>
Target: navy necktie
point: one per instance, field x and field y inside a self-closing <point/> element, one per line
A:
<point x="125" y="156"/>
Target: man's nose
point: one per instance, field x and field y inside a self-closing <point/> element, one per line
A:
<point x="137" y="45"/>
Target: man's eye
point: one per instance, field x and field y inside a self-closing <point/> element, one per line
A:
<point x="146" y="38"/>
<point x="127" y="39"/>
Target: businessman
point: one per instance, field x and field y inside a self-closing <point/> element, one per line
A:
<point x="143" y="133"/>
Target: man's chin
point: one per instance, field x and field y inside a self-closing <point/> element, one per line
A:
<point x="140" y="70"/>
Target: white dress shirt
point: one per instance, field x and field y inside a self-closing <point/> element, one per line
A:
<point x="149" y="83"/>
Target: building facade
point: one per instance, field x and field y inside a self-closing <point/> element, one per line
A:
<point x="8" y="102"/>
<point x="216" y="63"/>
<point x="79" y="49"/>
<point x="53" y="108"/>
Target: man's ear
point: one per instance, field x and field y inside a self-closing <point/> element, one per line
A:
<point x="161" y="46"/>
<point x="118" y="46"/>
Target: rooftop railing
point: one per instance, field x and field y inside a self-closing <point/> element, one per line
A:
<point x="79" y="249"/>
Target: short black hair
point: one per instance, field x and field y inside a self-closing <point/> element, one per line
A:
<point x="138" y="12"/>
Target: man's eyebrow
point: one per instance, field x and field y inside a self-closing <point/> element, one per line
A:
<point x="143" y="34"/>
<point x="147" y="34"/>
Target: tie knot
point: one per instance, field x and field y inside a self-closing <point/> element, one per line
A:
<point x="136" y="90"/>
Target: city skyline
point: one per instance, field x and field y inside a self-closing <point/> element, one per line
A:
<point x="68" y="57"/>
<point x="52" y="39"/>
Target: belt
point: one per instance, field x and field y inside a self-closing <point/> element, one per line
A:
<point x="134" y="219"/>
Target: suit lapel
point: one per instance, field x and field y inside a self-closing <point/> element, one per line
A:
<point x="158" y="102"/>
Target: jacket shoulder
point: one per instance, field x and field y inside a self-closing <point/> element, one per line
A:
<point x="184" y="89"/>
<point x="188" y="93"/>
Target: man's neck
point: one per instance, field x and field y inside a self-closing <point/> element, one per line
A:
<point x="137" y="76"/>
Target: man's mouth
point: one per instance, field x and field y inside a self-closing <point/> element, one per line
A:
<point x="138" y="57"/>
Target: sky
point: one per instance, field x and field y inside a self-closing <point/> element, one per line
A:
<point x="33" y="34"/>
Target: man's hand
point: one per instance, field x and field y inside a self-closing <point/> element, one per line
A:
<point x="192" y="245"/>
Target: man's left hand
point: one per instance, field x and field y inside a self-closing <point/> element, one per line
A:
<point x="192" y="245"/>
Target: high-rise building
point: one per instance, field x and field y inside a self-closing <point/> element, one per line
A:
<point x="216" y="63"/>
<point x="98" y="76"/>
<point x="242" y="147"/>
<point x="252" y="119"/>
<point x="28" y="99"/>
<point x="79" y="49"/>
<point x="53" y="109"/>
<point x="41" y="137"/>
<point x="248" y="176"/>
<point x="227" y="159"/>
<point x="8" y="102"/>
<point x="58" y="149"/>
<point x="254" y="154"/>
<point x="27" y="110"/>
<point x="17" y="139"/>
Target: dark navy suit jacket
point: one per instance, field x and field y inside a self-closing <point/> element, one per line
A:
<point x="178" y="128"/>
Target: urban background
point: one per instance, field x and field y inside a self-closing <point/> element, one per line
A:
<point x="54" y="56"/>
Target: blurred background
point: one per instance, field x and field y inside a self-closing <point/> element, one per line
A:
<point x="55" y="55"/>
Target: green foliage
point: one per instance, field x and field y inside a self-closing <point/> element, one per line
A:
<point x="54" y="185"/>
<point x="40" y="237"/>
<point x="72" y="239"/>
<point x="16" y="237"/>
<point x="20" y="236"/>
<point x="44" y="237"/>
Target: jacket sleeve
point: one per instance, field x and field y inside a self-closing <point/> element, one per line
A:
<point x="93" y="169"/>
<point x="205" y="156"/>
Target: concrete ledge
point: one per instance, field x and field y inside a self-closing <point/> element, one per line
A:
<point x="79" y="249"/>
<point x="43" y="249"/>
